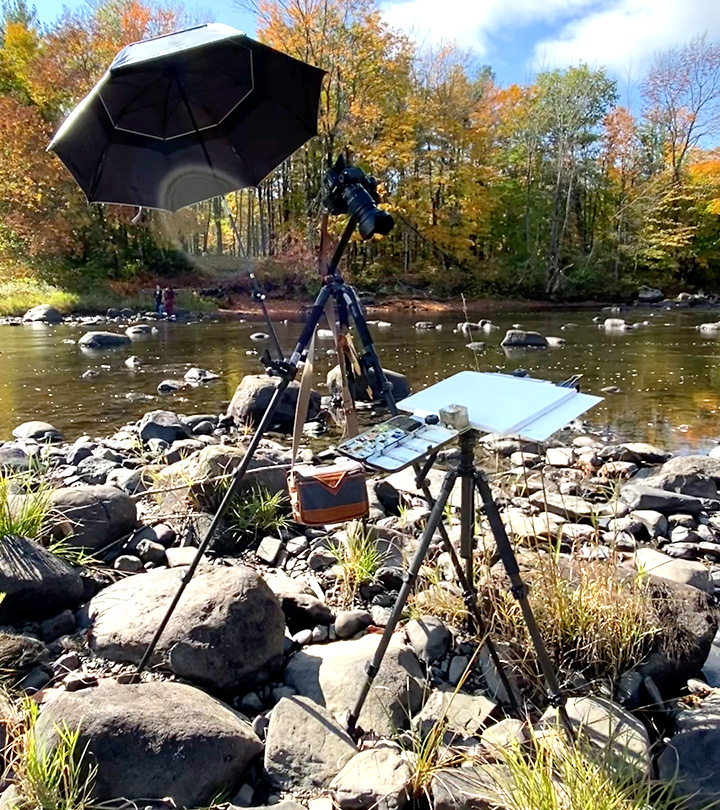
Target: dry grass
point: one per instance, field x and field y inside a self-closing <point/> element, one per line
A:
<point x="592" y="618"/>
<point x="435" y="596"/>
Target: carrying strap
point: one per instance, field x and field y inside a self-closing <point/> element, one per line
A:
<point x="350" y="428"/>
<point x="303" y="400"/>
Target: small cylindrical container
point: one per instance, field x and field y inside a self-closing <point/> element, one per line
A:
<point x="454" y="417"/>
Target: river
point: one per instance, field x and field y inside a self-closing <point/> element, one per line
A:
<point x="668" y="373"/>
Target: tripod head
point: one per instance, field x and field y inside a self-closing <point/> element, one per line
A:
<point x="348" y="190"/>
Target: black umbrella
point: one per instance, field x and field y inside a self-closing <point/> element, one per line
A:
<point x="188" y="116"/>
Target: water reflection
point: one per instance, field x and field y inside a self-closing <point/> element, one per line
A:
<point x="667" y="372"/>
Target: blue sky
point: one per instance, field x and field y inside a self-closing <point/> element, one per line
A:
<point x="518" y="37"/>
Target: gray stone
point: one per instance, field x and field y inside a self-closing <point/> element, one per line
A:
<point x="375" y="778"/>
<point x="93" y="470"/>
<point x="610" y="728"/>
<point x="40" y="431"/>
<point x="36" y="584"/>
<point x="646" y="453"/>
<point x="177" y="557"/>
<point x="689" y="764"/>
<point x="693" y="464"/>
<point x="13" y="458"/>
<point x="163" y="425"/>
<point x="129" y="481"/>
<point x="305" y="747"/>
<point x="43" y="313"/>
<point x="560" y="456"/>
<point x="269" y="550"/>
<point x="650" y="561"/>
<point x="479" y="788"/>
<point x="92" y="516"/>
<point x="226" y="632"/>
<point x="350" y="622"/>
<point x="253" y="395"/>
<point x="303" y="611"/>
<point x="199" y="746"/>
<point x="503" y="734"/>
<point x="641" y="496"/>
<point x="333" y="674"/>
<point x="149" y="551"/>
<point x="458" y="665"/>
<point x="518" y="337"/>
<point x="654" y="522"/>
<point x="103" y="340"/>
<point x="570" y="507"/>
<point x="461" y="714"/>
<point x="128" y="563"/>
<point x="61" y="625"/>
<point x="429" y="637"/>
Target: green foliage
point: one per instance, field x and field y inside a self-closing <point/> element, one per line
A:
<point x="56" y="779"/>
<point x="25" y="505"/>
<point x="72" y="555"/>
<point x="358" y="559"/>
<point x="257" y="512"/>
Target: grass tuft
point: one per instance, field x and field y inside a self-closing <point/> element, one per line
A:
<point x="257" y="512"/>
<point x="592" y="618"/>
<point x="59" y="779"/>
<point x="25" y="505"/>
<point x="358" y="560"/>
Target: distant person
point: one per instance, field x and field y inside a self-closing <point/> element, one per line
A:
<point x="158" y="299"/>
<point x="169" y="301"/>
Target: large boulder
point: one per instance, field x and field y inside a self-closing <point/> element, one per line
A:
<point x="648" y="561"/>
<point x="360" y="385"/>
<point x="641" y="496"/>
<point x="305" y="746"/>
<point x="103" y="340"/>
<point x="153" y="740"/>
<point x="42" y="313"/>
<point x="35" y="583"/>
<point x="198" y="473"/>
<point x="333" y="675"/>
<point x="252" y="397"/>
<point x="519" y="337"/>
<point x="689" y="765"/>
<point x="92" y="516"/>
<point x="227" y="631"/>
<point x="163" y="425"/>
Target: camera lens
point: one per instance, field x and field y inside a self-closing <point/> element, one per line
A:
<point x="371" y="219"/>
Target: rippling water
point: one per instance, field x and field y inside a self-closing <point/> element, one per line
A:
<point x="667" y="372"/>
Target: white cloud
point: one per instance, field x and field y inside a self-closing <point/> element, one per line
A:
<point x="625" y="36"/>
<point x="471" y="23"/>
<point x="620" y="34"/>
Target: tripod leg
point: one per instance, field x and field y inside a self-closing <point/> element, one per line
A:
<point x="520" y="590"/>
<point x="410" y="577"/>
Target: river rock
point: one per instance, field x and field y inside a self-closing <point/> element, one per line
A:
<point x="305" y="747"/>
<point x="350" y="622"/>
<point x="528" y="528"/>
<point x="688" y="763"/>
<point x="695" y="484"/>
<point x="650" y="561"/>
<point x="196" y="474"/>
<point x="649" y="295"/>
<point x="375" y="778"/>
<point x="252" y="397"/>
<point x="333" y="674"/>
<point x="197" y="376"/>
<point x="359" y="386"/>
<point x="92" y="516"/>
<point x="92" y="470"/>
<point x="226" y="632"/>
<point x="477" y="788"/>
<point x="616" y="325"/>
<point x="570" y="507"/>
<point x="429" y="637"/>
<point x="462" y="715"/>
<point x="36" y="584"/>
<point x="609" y="727"/>
<point x="518" y="337"/>
<point x="139" y="330"/>
<point x="693" y="464"/>
<point x="641" y="496"/>
<point x="42" y="314"/>
<point x="654" y="522"/>
<point x="153" y="740"/>
<point x="13" y="458"/>
<point x="103" y="340"/>
<point x="40" y="431"/>
<point x="163" y="425"/>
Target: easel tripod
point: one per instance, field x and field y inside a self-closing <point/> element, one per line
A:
<point x="471" y="479"/>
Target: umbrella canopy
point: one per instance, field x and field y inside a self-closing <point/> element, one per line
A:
<point x="188" y="116"/>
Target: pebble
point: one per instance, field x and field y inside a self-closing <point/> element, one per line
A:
<point x="128" y="563"/>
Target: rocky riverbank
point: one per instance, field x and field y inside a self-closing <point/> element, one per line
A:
<point x="246" y="700"/>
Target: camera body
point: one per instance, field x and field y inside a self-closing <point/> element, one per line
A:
<point x="348" y="190"/>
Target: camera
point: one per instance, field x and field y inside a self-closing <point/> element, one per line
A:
<point x="348" y="190"/>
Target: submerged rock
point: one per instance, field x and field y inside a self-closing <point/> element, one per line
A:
<point x="103" y="340"/>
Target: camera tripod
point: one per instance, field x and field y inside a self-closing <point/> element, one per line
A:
<point x="471" y="479"/>
<point x="347" y="307"/>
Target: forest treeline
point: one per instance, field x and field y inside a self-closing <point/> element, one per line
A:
<point x="550" y="189"/>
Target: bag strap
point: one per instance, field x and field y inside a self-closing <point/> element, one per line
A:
<point x="350" y="428"/>
<point x="303" y="400"/>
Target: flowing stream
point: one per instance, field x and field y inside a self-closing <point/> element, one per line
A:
<point x="668" y="373"/>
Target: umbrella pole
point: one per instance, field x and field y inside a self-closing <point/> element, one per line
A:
<point x="257" y="294"/>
